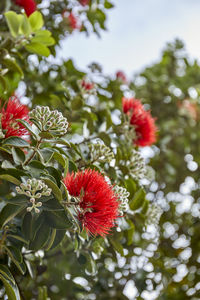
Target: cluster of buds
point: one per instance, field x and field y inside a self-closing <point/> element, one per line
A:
<point x="154" y="213"/>
<point x="101" y="153"/>
<point x="34" y="189"/>
<point x="128" y="130"/>
<point x="49" y="121"/>
<point x="136" y="165"/>
<point x="122" y="196"/>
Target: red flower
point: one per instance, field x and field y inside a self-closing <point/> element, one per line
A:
<point x="14" y="110"/>
<point x="142" y="120"/>
<point x="98" y="206"/>
<point x="84" y="2"/>
<point x="186" y="107"/>
<point x="87" y="85"/>
<point x="28" y="5"/>
<point x="121" y="76"/>
<point x="73" y="21"/>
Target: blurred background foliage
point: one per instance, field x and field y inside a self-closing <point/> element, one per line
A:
<point x="136" y="261"/>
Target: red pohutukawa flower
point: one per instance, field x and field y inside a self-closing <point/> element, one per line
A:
<point x="28" y="5"/>
<point x="121" y="76"/>
<point x="73" y="21"/>
<point x="142" y="121"/>
<point x="84" y="2"/>
<point x="87" y="85"/>
<point x="97" y="208"/>
<point x="10" y="113"/>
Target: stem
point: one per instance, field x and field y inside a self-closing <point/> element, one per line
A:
<point x="7" y="6"/>
<point x="34" y="152"/>
<point x="3" y="240"/>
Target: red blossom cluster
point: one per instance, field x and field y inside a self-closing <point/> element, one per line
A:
<point x="72" y="21"/>
<point x="87" y="85"/>
<point x="28" y="5"/>
<point x="189" y="108"/>
<point x="97" y="208"/>
<point x="142" y="121"/>
<point x="84" y="2"/>
<point x="121" y="76"/>
<point x="10" y="112"/>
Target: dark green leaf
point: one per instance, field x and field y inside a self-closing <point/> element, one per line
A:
<point x="16" y="142"/>
<point x="137" y="200"/>
<point x="9" y="283"/>
<point x="9" y="212"/>
<point x="57" y="219"/>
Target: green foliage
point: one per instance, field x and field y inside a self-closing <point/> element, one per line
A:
<point x="67" y="251"/>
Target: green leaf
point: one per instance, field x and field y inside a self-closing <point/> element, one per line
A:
<point x="62" y="141"/>
<point x="16" y="257"/>
<point x="16" y="142"/>
<point x="19" y="199"/>
<point x="59" y="158"/>
<point x="41" y="237"/>
<point x="8" y="212"/>
<point x="27" y="226"/>
<point x="25" y="27"/>
<point x="130" y="186"/>
<point x="42" y="39"/>
<point x="3" y="82"/>
<point x="17" y="237"/>
<point x="108" y="5"/>
<point x="145" y="207"/>
<point x="55" y="189"/>
<point x="28" y="127"/>
<point x="6" y="164"/>
<point x="9" y="283"/>
<point x="137" y="200"/>
<point x="46" y="135"/>
<point x="60" y="234"/>
<point x="51" y="239"/>
<point x="82" y="259"/>
<point x="130" y="232"/>
<point x="91" y="265"/>
<point x="42" y="295"/>
<point x="14" y="21"/>
<point x="10" y="178"/>
<point x="57" y="219"/>
<point x="36" y="21"/>
<point x="43" y="33"/>
<point x="117" y="246"/>
<point x="72" y="167"/>
<point x="38" y="48"/>
<point x="10" y="63"/>
<point x="105" y="138"/>
<point x="18" y="155"/>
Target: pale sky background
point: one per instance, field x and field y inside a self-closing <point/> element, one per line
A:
<point x="137" y="32"/>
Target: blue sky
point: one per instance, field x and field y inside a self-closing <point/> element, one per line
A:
<point x="137" y="32"/>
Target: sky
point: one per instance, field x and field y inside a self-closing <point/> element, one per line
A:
<point x="137" y="32"/>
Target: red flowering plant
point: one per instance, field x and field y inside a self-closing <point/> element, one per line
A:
<point x="29" y="5"/>
<point x="77" y="189"/>
<point x="143" y="122"/>
<point x="96" y="203"/>
<point x="120" y="75"/>
<point x="10" y="113"/>
<point x="84" y="2"/>
<point x="71" y="20"/>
